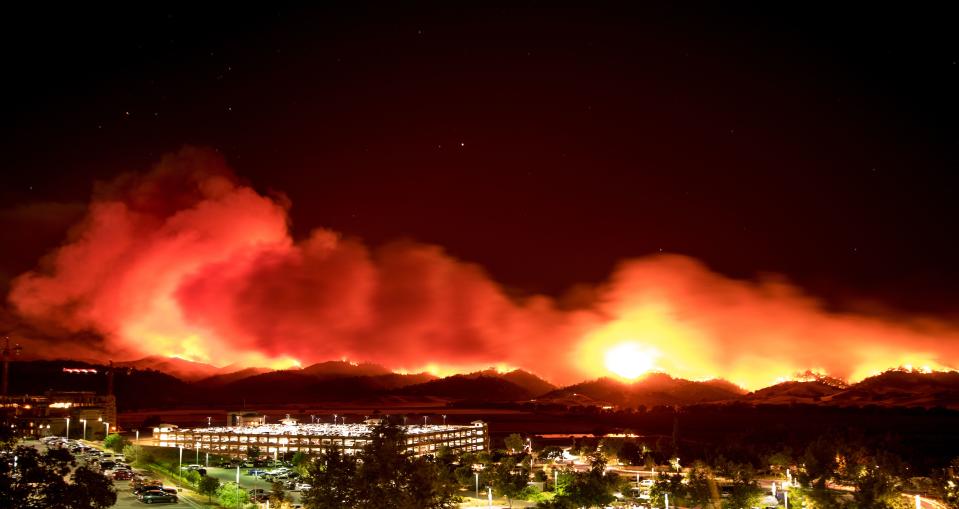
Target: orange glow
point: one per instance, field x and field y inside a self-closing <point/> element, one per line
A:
<point x="629" y="360"/>
<point x="188" y="261"/>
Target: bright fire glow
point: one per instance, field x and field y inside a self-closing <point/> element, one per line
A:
<point x="189" y="261"/>
<point x="629" y="360"/>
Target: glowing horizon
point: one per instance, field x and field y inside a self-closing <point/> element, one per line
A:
<point x="215" y="275"/>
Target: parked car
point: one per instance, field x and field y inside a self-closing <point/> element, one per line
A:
<point x="302" y="486"/>
<point x="154" y="496"/>
<point x="255" y="472"/>
<point x="122" y="475"/>
<point x="138" y="490"/>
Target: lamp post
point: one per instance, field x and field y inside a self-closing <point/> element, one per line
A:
<point x="786" y="498"/>
<point x="68" y="427"/>
<point x="425" y="419"/>
<point x="556" y="479"/>
<point x="179" y="471"/>
<point x="238" y="487"/>
<point x="106" y="430"/>
<point x="209" y="420"/>
<point x="477" y="483"/>
<point x="84" y="421"/>
<point x="444" y="419"/>
<point x="666" y="495"/>
<point x="136" y="450"/>
<point x="489" y="495"/>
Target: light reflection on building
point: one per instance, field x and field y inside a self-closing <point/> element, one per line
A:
<point x="318" y="438"/>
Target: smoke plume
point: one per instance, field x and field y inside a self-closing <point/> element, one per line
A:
<point x="187" y="260"/>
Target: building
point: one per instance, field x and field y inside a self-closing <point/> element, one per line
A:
<point x="245" y="419"/>
<point x="50" y="413"/>
<point x="316" y="438"/>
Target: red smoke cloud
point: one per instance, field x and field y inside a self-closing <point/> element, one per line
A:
<point x="186" y="260"/>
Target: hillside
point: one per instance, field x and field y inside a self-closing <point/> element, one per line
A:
<point x="533" y="384"/>
<point x="468" y="388"/>
<point x="649" y="390"/>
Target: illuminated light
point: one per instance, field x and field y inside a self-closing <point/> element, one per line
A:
<point x="630" y="360"/>
<point x="61" y="404"/>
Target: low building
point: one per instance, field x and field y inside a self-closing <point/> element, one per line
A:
<point x="48" y="414"/>
<point x="318" y="438"/>
<point x="245" y="419"/>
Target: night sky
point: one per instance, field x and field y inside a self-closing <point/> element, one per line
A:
<point x="545" y="145"/>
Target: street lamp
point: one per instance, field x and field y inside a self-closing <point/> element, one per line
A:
<point x="136" y="450"/>
<point x="425" y="418"/>
<point x="106" y="430"/>
<point x="68" y="427"/>
<point x="666" y="495"/>
<point x="489" y="492"/>
<point x="444" y="419"/>
<point x="179" y="472"/>
<point x="84" y="421"/>
<point x="334" y="418"/>
<point x="208" y="421"/>
<point x="477" y="483"/>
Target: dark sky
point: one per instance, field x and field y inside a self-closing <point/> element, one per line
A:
<point x="543" y="144"/>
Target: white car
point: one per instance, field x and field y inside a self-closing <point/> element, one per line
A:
<point x="301" y="486"/>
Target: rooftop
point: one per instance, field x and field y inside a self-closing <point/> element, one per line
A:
<point x="320" y="429"/>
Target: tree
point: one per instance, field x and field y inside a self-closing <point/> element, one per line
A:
<point x="818" y="467"/>
<point x="514" y="443"/>
<point x="950" y="484"/>
<point x="332" y="480"/>
<point x="877" y="480"/>
<point x="230" y="495"/>
<point x="551" y="453"/>
<point x="667" y="484"/>
<point x="252" y="453"/>
<point x="131" y="453"/>
<point x="382" y="475"/>
<point x="115" y="442"/>
<point x="208" y="486"/>
<point x="630" y="453"/>
<point x="300" y="462"/>
<point x="90" y="490"/>
<point x="508" y="480"/>
<point x="745" y="490"/>
<point x="701" y="487"/>
<point x="593" y="487"/>
<point x="277" y="494"/>
<point x="41" y="480"/>
<point x="611" y="446"/>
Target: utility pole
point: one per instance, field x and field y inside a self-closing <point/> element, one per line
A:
<point x="7" y="352"/>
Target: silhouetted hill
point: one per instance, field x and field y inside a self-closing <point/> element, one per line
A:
<point x="185" y="370"/>
<point x="468" y="387"/>
<point x="133" y="388"/>
<point x="532" y="383"/>
<point x="793" y="392"/>
<point x="650" y="390"/>
<point x="902" y="388"/>
<point x="345" y="368"/>
<point x="232" y="376"/>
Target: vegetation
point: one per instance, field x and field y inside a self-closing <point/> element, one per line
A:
<point x="514" y="443"/>
<point x="115" y="442"/>
<point x="230" y="495"/>
<point x="43" y="480"/>
<point x="382" y="475"/>
<point x="208" y="486"/>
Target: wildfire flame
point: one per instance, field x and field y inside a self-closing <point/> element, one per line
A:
<point x="187" y="261"/>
